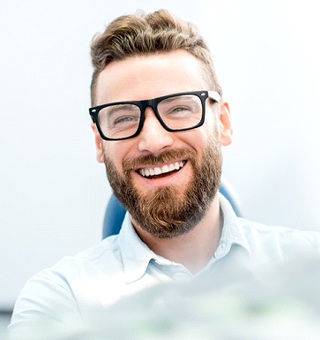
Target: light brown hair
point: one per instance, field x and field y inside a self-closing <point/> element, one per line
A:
<point x="144" y="34"/>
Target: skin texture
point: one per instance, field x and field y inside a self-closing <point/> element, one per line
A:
<point x="181" y="208"/>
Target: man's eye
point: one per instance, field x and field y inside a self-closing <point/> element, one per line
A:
<point x="179" y="110"/>
<point x="125" y="120"/>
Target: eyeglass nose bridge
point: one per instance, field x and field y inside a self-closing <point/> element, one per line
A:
<point x="153" y="104"/>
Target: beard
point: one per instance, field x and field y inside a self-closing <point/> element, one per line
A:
<point x="169" y="211"/>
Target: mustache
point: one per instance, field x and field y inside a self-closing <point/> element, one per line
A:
<point x="165" y="156"/>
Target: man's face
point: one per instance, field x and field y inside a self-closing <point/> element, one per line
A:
<point x="187" y="165"/>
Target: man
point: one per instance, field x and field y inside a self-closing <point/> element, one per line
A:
<point x="159" y="120"/>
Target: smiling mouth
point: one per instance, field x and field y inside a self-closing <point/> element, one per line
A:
<point x="164" y="170"/>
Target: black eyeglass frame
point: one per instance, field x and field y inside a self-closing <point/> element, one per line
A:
<point x="153" y="103"/>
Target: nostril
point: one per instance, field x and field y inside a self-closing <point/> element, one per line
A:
<point x="155" y="140"/>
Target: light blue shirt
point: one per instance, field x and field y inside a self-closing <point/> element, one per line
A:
<point x="123" y="265"/>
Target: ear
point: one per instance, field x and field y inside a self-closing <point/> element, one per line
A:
<point x="98" y="142"/>
<point x="226" y="129"/>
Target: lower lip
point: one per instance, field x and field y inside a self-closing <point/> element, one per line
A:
<point x="166" y="174"/>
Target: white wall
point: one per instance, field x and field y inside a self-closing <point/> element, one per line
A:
<point x="52" y="191"/>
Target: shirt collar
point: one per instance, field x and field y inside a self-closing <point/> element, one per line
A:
<point x="232" y="231"/>
<point x="137" y="255"/>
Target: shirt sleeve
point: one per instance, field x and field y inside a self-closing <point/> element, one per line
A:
<point x="44" y="308"/>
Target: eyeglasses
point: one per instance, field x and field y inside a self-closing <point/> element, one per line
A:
<point x="175" y="112"/>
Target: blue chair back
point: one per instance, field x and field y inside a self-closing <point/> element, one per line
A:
<point x="115" y="211"/>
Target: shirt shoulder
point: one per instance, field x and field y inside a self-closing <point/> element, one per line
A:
<point x="70" y="287"/>
<point x="86" y="262"/>
<point x="279" y="241"/>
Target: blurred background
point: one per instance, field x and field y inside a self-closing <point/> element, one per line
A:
<point x="53" y="193"/>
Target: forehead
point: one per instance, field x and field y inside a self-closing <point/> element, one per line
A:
<point x="144" y="77"/>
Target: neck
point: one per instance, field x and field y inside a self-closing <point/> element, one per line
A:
<point x="193" y="249"/>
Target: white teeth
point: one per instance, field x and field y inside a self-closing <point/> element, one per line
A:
<point x="171" y="167"/>
<point x="165" y="169"/>
<point x="158" y="171"/>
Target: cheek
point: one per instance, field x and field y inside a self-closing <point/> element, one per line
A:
<point x="212" y="128"/>
<point x="205" y="134"/>
<point x="116" y="152"/>
<point x="212" y="121"/>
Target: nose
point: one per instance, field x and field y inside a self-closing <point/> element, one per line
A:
<point x="153" y="137"/>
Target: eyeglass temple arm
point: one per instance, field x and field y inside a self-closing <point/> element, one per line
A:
<point x="215" y="96"/>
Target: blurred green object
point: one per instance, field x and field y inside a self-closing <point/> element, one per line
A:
<point x="277" y="303"/>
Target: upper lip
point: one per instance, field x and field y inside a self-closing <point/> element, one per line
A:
<point x="157" y="170"/>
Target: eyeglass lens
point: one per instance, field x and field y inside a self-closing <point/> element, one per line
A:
<point x="176" y="113"/>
